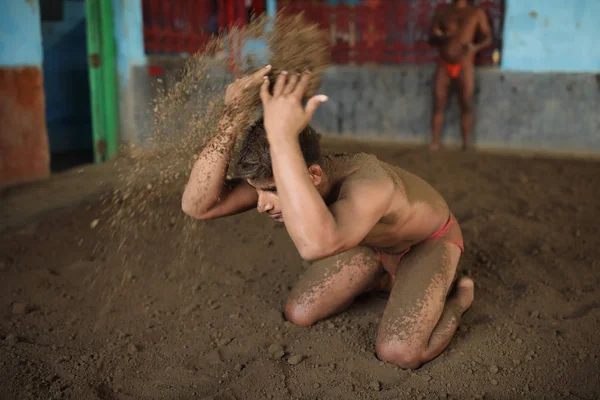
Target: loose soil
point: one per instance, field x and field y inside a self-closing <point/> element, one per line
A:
<point x="162" y="307"/>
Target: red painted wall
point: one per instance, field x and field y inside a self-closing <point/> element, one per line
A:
<point x="24" y="153"/>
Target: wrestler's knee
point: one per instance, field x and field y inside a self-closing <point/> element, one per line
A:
<point x="466" y="106"/>
<point x="404" y="355"/>
<point x="298" y="314"/>
<point x="439" y="107"/>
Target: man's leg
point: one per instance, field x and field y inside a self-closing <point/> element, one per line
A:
<point x="420" y="319"/>
<point x="441" y="88"/>
<point x="330" y="285"/>
<point x="466" y="89"/>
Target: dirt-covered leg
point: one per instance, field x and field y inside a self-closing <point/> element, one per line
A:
<point x="460" y="299"/>
<point x="420" y="319"/>
<point x="441" y="90"/>
<point x="466" y="91"/>
<point x="330" y="285"/>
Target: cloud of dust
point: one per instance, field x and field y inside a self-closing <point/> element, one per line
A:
<point x="151" y="179"/>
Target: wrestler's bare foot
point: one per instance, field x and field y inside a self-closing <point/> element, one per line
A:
<point x="463" y="293"/>
<point x="434" y="146"/>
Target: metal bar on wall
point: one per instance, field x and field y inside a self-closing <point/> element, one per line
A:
<point x="109" y="75"/>
<point x="94" y="49"/>
<point x="102" y="71"/>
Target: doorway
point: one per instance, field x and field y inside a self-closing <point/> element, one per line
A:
<point x="66" y="83"/>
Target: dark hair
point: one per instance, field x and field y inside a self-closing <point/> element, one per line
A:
<point x="255" y="158"/>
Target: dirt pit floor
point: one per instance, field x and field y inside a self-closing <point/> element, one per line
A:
<point x="78" y="322"/>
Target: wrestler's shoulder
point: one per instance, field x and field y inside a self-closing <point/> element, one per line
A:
<point x="363" y="162"/>
<point x="478" y="11"/>
<point x="367" y="167"/>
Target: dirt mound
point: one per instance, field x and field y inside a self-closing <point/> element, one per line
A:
<point x="205" y="321"/>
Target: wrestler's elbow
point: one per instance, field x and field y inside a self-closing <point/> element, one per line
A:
<point x="190" y="207"/>
<point x="187" y="206"/>
<point x="322" y="248"/>
<point x="312" y="253"/>
<point x="190" y="210"/>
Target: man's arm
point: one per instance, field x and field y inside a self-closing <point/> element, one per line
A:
<point x="484" y="30"/>
<point x="207" y="194"/>
<point x="436" y="35"/>
<point x="316" y="230"/>
<point x="319" y="231"/>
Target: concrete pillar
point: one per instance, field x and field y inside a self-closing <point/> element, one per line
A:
<point x="24" y="153"/>
<point x="271" y="8"/>
<point x="134" y="82"/>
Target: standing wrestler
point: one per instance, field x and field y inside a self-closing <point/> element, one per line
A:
<point x="453" y="33"/>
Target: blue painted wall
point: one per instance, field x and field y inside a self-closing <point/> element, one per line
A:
<point x="66" y="81"/>
<point x="20" y="37"/>
<point x="552" y="35"/>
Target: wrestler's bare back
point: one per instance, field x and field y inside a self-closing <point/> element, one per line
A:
<point x="416" y="210"/>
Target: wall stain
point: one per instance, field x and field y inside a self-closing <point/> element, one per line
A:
<point x="533" y="14"/>
<point x="23" y="143"/>
<point x="32" y="4"/>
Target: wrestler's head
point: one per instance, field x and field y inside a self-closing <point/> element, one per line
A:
<point x="254" y="165"/>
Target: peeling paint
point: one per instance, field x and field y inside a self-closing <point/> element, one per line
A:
<point x="20" y="36"/>
<point x="23" y="143"/>
<point x="33" y="4"/>
<point x="570" y="86"/>
<point x="539" y="36"/>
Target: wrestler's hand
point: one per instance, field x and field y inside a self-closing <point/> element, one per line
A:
<point x="235" y="90"/>
<point x="438" y="32"/>
<point x="284" y="114"/>
<point x="470" y="50"/>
